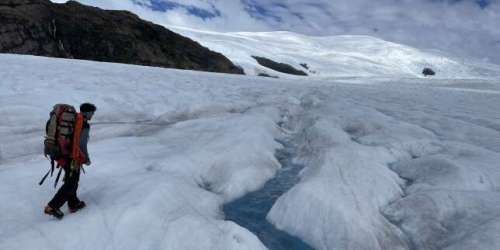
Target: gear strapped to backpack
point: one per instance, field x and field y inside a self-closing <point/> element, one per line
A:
<point x="59" y="137"/>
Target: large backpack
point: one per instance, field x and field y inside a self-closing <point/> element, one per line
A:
<point x="58" y="137"/>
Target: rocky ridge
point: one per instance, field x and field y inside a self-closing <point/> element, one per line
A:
<point x="73" y="30"/>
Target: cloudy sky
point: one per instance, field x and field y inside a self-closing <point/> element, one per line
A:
<point x="468" y="28"/>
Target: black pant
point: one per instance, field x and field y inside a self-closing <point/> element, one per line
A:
<point x="67" y="192"/>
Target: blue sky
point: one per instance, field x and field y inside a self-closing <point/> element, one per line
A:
<point x="252" y="6"/>
<point x="466" y="28"/>
<point x="166" y="6"/>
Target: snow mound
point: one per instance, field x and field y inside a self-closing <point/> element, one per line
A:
<point x="444" y="219"/>
<point x="387" y="170"/>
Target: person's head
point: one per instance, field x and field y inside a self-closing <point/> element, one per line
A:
<point x="87" y="110"/>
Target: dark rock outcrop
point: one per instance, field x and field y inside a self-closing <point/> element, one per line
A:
<point x="73" y="30"/>
<point x="306" y="66"/>
<point x="428" y="72"/>
<point x="280" y="67"/>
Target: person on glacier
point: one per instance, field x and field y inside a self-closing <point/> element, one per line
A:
<point x="72" y="165"/>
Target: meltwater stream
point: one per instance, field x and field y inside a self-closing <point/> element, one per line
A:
<point x="251" y="210"/>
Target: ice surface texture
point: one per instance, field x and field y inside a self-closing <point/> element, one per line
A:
<point x="389" y="164"/>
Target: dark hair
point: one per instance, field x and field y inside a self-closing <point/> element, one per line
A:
<point x="87" y="107"/>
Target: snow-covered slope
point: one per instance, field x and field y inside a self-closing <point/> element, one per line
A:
<point x="388" y="164"/>
<point x="335" y="56"/>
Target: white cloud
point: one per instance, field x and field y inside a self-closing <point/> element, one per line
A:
<point x="462" y="28"/>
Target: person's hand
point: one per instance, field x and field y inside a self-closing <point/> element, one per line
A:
<point x="88" y="162"/>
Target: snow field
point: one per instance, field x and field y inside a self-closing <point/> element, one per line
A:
<point x="389" y="164"/>
<point x="381" y="177"/>
<point x="342" y="189"/>
<point x="165" y="158"/>
<point x="335" y="56"/>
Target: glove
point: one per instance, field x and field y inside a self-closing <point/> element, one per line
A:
<point x="88" y="162"/>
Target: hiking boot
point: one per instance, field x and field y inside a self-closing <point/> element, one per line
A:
<point x="78" y="206"/>
<point x="54" y="212"/>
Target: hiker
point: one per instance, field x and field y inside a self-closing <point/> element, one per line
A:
<point x="73" y="164"/>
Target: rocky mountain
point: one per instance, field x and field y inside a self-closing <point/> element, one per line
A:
<point x="73" y="30"/>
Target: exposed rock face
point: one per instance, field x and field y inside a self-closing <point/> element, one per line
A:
<point x="280" y="67"/>
<point x="73" y="30"/>
<point x="428" y="72"/>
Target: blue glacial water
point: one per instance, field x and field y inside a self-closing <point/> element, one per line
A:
<point x="250" y="211"/>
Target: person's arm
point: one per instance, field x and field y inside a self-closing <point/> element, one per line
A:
<point x="84" y="139"/>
